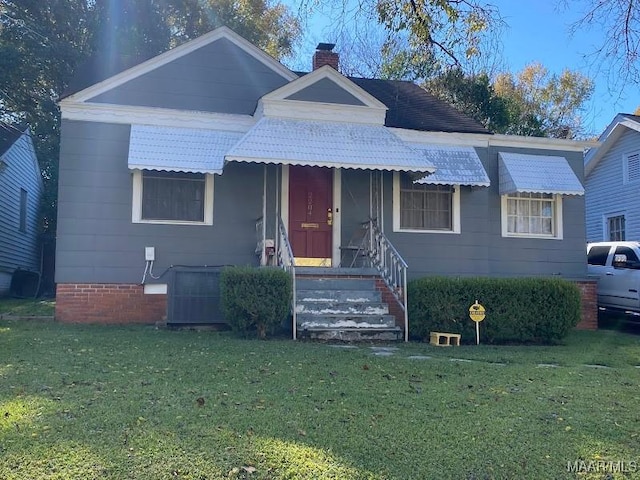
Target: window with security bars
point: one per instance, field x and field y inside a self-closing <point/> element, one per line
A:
<point x="173" y="196"/>
<point x="616" y="228"/>
<point x="632" y="167"/>
<point x="531" y="213"/>
<point x="425" y="207"/>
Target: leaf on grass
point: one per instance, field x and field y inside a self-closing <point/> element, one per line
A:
<point x="249" y="469"/>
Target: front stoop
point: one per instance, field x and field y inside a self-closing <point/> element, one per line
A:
<point x="342" y="305"/>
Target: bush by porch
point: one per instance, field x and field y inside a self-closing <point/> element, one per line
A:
<point x="519" y="310"/>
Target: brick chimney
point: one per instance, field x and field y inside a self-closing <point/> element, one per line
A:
<point x="325" y="56"/>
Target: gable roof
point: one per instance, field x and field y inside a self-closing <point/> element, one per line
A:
<point x="98" y="75"/>
<point x="315" y="96"/>
<point x="8" y="136"/>
<point x="408" y="105"/>
<point x="620" y="123"/>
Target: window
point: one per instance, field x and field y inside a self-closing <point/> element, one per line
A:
<point x="631" y="167"/>
<point x="425" y="208"/>
<point x="172" y="197"/>
<point x="532" y="215"/>
<point x="23" y="210"/>
<point x="598" y="255"/>
<point x="615" y="228"/>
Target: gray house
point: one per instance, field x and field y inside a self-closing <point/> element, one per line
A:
<point x="612" y="182"/>
<point x="20" y="192"/>
<point x="214" y="154"/>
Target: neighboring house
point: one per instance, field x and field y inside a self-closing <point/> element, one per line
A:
<point x="201" y="151"/>
<point x="612" y="182"/>
<point x="20" y="192"/>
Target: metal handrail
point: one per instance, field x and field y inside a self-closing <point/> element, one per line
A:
<point x="391" y="266"/>
<point x="286" y="261"/>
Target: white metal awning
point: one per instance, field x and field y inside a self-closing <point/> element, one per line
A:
<point x="455" y="165"/>
<point x="179" y="149"/>
<point x="327" y="144"/>
<point x="537" y="174"/>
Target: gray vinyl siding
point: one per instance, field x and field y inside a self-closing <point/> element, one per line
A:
<point x="480" y="249"/>
<point x="97" y="241"/>
<point x="219" y="77"/>
<point x="607" y="194"/>
<point x="325" y="91"/>
<point x="19" y="249"/>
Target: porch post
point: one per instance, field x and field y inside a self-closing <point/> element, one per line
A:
<point x="263" y="250"/>
<point x="406" y="306"/>
<point x="277" y="179"/>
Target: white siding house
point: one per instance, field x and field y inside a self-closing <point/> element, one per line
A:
<point x="612" y="182"/>
<point x="20" y="193"/>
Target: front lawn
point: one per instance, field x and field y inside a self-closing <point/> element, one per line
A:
<point x="22" y="307"/>
<point x="94" y="402"/>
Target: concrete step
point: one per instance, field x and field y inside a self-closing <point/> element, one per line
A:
<point x="341" y="321"/>
<point x="337" y="307"/>
<point x="356" y="296"/>
<point x="354" y="334"/>
<point x="306" y="283"/>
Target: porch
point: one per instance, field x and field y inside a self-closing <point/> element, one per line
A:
<point x="363" y="297"/>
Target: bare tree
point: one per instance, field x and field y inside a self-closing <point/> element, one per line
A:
<point x="453" y="31"/>
<point x="617" y="56"/>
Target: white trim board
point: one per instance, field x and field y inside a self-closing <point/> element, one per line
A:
<point x="336" y="237"/>
<point x="485" y="140"/>
<point x="124" y="114"/>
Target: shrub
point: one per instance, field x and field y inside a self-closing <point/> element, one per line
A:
<point x="255" y="299"/>
<point x="518" y="310"/>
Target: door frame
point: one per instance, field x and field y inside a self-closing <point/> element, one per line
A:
<point x="337" y="209"/>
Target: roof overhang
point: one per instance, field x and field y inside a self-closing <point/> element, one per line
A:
<point x="327" y="144"/>
<point x="522" y="173"/>
<point x="611" y="134"/>
<point x="179" y="149"/>
<point x="455" y="165"/>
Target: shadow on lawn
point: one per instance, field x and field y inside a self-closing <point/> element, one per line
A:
<point x="135" y="402"/>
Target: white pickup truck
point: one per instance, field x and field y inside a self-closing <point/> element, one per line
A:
<point x="617" y="266"/>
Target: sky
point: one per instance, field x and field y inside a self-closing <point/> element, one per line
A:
<point x="536" y="31"/>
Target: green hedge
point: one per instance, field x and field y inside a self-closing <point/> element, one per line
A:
<point x="518" y="310"/>
<point x="255" y="299"/>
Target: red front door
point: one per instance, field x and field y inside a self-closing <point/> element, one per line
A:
<point x="311" y="214"/>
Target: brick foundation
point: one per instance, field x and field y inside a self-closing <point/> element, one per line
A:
<point x="108" y="303"/>
<point x="589" y="305"/>
<point x="394" y="307"/>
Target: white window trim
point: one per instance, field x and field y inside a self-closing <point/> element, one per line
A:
<point x="625" y="167"/>
<point x="558" y="222"/>
<point x="396" y="210"/>
<point x="136" y="211"/>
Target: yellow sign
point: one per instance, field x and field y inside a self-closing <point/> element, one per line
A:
<point x="476" y="312"/>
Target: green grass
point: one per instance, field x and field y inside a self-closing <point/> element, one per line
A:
<point x="97" y="402"/>
<point x="26" y="307"/>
